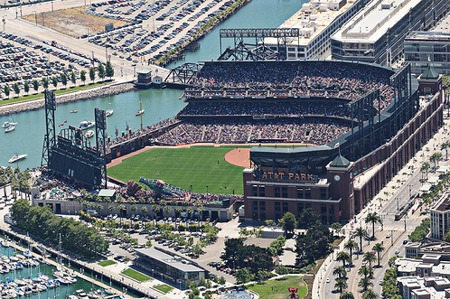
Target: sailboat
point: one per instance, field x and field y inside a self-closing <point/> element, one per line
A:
<point x="140" y="111"/>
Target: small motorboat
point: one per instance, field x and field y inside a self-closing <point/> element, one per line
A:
<point x="86" y="124"/>
<point x="139" y="112"/>
<point x="10" y="129"/>
<point x="7" y="124"/>
<point x="73" y="111"/>
<point x="109" y="112"/>
<point x="16" y="158"/>
<point x="89" y="134"/>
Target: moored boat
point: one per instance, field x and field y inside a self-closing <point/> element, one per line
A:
<point x="109" y="112"/>
<point x="89" y="134"/>
<point x="86" y="124"/>
<point x="16" y="158"/>
<point x="10" y="129"/>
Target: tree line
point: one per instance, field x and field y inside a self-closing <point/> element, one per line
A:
<point x="102" y="72"/>
<point x="75" y="236"/>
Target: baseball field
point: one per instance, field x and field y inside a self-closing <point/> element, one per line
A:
<point x="197" y="168"/>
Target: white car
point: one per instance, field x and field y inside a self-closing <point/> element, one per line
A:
<point x="328" y="280"/>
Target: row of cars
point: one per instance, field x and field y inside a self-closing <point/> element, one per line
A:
<point x="22" y="60"/>
<point x="159" y="37"/>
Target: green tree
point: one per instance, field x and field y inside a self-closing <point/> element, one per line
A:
<point x="339" y="271"/>
<point x="365" y="271"/>
<point x="45" y="82"/>
<point x="421" y="231"/>
<point x="365" y="283"/>
<point x="6" y="90"/>
<point x="307" y="218"/>
<point x="144" y="210"/>
<point x="369" y="257"/>
<point x="16" y="88"/>
<point x="369" y="294"/>
<point x="92" y="74"/>
<point x="101" y="71"/>
<point x="83" y="76"/>
<point x="378" y="248"/>
<point x="343" y="257"/>
<point x="121" y="208"/>
<point x="435" y="158"/>
<point x="55" y="81"/>
<point x="340" y="285"/>
<point x="26" y="87"/>
<point x="73" y="78"/>
<point x="64" y="79"/>
<point x="346" y="295"/>
<point x="242" y="276"/>
<point x="336" y="227"/>
<point x="351" y="245"/>
<point x="288" y="222"/>
<point x="35" y="85"/>
<point x="360" y="233"/>
<point x="109" y="69"/>
<point x="373" y="218"/>
<point x="424" y="169"/>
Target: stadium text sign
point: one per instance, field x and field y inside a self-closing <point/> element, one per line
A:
<point x="291" y="176"/>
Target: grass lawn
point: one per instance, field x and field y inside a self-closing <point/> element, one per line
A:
<point x="106" y="263"/>
<point x="164" y="288"/>
<point x="136" y="275"/>
<point x="199" y="166"/>
<point x="278" y="288"/>
<point x="40" y="95"/>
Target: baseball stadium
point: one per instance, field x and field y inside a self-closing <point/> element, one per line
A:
<point x="326" y="135"/>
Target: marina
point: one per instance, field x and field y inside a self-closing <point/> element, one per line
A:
<point x="25" y="276"/>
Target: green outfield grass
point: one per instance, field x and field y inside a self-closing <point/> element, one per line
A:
<point x="278" y="288"/>
<point x="199" y="166"/>
<point x="106" y="263"/>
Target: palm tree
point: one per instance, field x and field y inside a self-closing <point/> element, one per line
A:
<point x="133" y="209"/>
<point x="373" y="218"/>
<point x="365" y="283"/>
<point x="361" y="233"/>
<point x="144" y="210"/>
<point x="365" y="271"/>
<point x="346" y="295"/>
<point x="166" y="210"/>
<point x="369" y="257"/>
<point x="121" y="208"/>
<point x="340" y="284"/>
<point x="424" y="168"/>
<point x="350" y="246"/>
<point x="155" y="209"/>
<point x="378" y="248"/>
<point x="343" y="257"/>
<point x="339" y="271"/>
<point x="110" y="209"/>
<point x="369" y="294"/>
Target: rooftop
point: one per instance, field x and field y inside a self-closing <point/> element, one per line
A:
<point x="428" y="35"/>
<point x="171" y="260"/>
<point x="443" y="204"/>
<point x="371" y="23"/>
<point x="313" y="18"/>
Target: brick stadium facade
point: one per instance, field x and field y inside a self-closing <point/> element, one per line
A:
<point x="321" y="178"/>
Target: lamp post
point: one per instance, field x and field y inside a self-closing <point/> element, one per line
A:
<point x="397" y="198"/>
<point x="206" y="188"/>
<point x="410" y="186"/>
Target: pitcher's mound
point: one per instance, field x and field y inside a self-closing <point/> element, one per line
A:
<point x="239" y="157"/>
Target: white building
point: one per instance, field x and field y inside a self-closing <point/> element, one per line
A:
<point x="440" y="217"/>
<point x="316" y="21"/>
<point x="377" y="32"/>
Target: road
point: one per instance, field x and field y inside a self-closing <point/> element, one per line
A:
<point x="393" y="196"/>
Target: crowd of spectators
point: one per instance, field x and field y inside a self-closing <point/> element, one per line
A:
<point x="290" y="80"/>
<point x="260" y="109"/>
<point x="316" y="131"/>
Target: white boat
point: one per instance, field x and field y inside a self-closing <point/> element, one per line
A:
<point x="10" y="129"/>
<point x="89" y="134"/>
<point x="109" y="112"/>
<point x="141" y="110"/>
<point x="16" y="158"/>
<point x="86" y="124"/>
<point x="6" y="124"/>
<point x="73" y="111"/>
